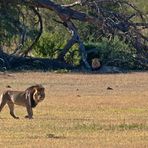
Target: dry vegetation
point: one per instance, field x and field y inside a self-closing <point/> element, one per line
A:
<point x="79" y="111"/>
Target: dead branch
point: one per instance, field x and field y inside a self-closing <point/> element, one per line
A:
<point x="39" y="34"/>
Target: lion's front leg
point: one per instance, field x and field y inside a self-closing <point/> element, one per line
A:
<point x="3" y="101"/>
<point x="29" y="111"/>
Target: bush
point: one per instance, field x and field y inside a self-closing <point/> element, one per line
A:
<point x="114" y="52"/>
<point x="73" y="56"/>
<point x="49" y="45"/>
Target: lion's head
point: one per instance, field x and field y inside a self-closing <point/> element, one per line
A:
<point x="36" y="94"/>
<point x="95" y="63"/>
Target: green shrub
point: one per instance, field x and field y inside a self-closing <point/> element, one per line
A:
<point x="114" y="52"/>
<point x="49" y="45"/>
<point x="73" y="56"/>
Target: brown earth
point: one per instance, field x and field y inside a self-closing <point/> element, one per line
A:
<point x="80" y="110"/>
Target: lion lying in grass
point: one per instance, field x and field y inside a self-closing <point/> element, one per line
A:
<point x="28" y="98"/>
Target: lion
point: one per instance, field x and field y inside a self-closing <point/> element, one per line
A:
<point x="28" y="98"/>
<point x="95" y="64"/>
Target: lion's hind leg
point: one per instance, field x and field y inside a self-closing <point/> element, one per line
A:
<point x="11" y="107"/>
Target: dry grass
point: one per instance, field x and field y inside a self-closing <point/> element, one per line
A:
<point x="79" y="111"/>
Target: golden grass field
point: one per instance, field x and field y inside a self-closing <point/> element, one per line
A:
<point x="79" y="111"/>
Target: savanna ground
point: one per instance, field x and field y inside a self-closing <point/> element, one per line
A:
<point x="79" y="111"/>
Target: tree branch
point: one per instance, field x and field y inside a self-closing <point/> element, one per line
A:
<point x="39" y="34"/>
<point x="73" y="4"/>
<point x="75" y="39"/>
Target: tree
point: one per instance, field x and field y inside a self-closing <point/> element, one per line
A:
<point x="111" y="21"/>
